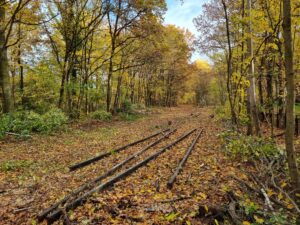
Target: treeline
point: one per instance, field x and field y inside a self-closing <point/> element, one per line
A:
<point x="85" y="55"/>
<point x="255" y="48"/>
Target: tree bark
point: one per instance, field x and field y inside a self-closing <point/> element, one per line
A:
<point x="252" y="90"/>
<point x="290" y="98"/>
<point x="118" y="93"/>
<point x="229" y="65"/>
<point x="4" y="71"/>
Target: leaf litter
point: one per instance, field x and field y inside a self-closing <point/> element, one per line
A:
<point x="140" y="198"/>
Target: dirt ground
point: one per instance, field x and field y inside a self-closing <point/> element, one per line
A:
<point x="34" y="173"/>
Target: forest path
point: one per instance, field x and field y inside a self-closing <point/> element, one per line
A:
<point x="34" y="173"/>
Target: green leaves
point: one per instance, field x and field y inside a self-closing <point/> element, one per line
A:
<point x="171" y="216"/>
<point x="248" y="147"/>
<point x="101" y="115"/>
<point x="25" y="122"/>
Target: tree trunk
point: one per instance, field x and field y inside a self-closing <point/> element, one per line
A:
<point x="62" y="88"/>
<point x="252" y="90"/>
<point x="270" y="93"/>
<point x="290" y="98"/>
<point x="109" y="75"/>
<point x="21" y="68"/>
<point x="229" y="66"/>
<point x="4" y="72"/>
<point x="118" y="94"/>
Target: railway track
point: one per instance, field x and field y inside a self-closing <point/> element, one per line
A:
<point x="121" y="170"/>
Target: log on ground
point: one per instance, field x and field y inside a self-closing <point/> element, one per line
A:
<point x="109" y="172"/>
<point x="106" y="154"/>
<point x="183" y="161"/>
<point x="80" y="200"/>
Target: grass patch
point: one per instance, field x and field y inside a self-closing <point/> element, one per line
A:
<point x="130" y="116"/>
<point x="15" y="165"/>
<point x="108" y="131"/>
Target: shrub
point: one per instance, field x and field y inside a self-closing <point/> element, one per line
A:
<point x="129" y="116"/>
<point x="4" y="125"/>
<point x="127" y="107"/>
<point x="52" y="120"/>
<point x="25" y="122"/>
<point x="248" y="147"/>
<point x="101" y="115"/>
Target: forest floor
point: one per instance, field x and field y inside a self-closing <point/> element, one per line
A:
<point x="34" y="173"/>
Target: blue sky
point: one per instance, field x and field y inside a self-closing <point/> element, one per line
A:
<point x="182" y="13"/>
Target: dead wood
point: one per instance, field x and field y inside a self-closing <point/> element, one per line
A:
<point x="80" y="200"/>
<point x="109" y="172"/>
<point x="106" y="154"/>
<point x="183" y="161"/>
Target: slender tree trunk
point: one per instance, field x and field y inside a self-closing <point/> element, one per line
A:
<point x="229" y="65"/>
<point x="108" y="86"/>
<point x="62" y="87"/>
<point x="290" y="99"/>
<point x="109" y="75"/>
<point x="252" y="90"/>
<point x="132" y="87"/>
<point x="21" y="68"/>
<point x="4" y="71"/>
<point x="13" y="86"/>
<point x="270" y="93"/>
<point x="281" y="94"/>
<point x="118" y="93"/>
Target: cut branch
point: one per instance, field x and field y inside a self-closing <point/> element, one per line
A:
<point x="183" y="161"/>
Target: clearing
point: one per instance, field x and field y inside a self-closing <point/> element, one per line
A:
<point x="34" y="173"/>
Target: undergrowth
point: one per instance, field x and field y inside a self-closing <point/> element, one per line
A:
<point x="101" y="115"/>
<point x="23" y="123"/>
<point x="14" y="165"/>
<point x="248" y="147"/>
<point x="267" y="180"/>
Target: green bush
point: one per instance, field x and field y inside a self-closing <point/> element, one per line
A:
<point x="25" y="122"/>
<point x="52" y="120"/>
<point x="127" y="107"/>
<point x="4" y="125"/>
<point x="101" y="115"/>
<point x="248" y="147"/>
<point x="129" y="116"/>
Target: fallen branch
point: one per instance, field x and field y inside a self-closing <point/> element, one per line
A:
<point x="183" y="161"/>
<point x="257" y="181"/>
<point x="18" y="135"/>
<point x="267" y="199"/>
<point x="241" y="182"/>
<point x="285" y="194"/>
<point x="45" y="212"/>
<point x="22" y="209"/>
<point x="80" y="200"/>
<point x="106" y="154"/>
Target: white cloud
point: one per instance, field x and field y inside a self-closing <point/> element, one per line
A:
<point x="182" y="13"/>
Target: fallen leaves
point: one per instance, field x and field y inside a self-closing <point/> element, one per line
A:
<point x="136" y="198"/>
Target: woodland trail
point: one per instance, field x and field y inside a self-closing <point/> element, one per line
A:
<point x="42" y="177"/>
